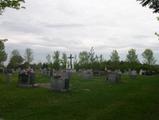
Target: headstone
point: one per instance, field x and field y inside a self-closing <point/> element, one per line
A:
<point x="48" y="72"/>
<point x="87" y="74"/>
<point x="44" y="71"/>
<point x="98" y="72"/>
<point x="31" y="76"/>
<point x="67" y="78"/>
<point x="148" y="72"/>
<point x="60" y="80"/>
<point x="113" y="77"/>
<point x="26" y="78"/>
<point x="133" y="74"/>
<point x="141" y="72"/>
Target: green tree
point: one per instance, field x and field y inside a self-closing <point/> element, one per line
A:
<point x="64" y="60"/>
<point x="92" y="56"/>
<point x="132" y="56"/>
<point x="101" y="58"/>
<point x="84" y="57"/>
<point x="148" y="57"/>
<point x="153" y="4"/>
<point x="48" y="58"/>
<point x="28" y="55"/>
<point x="114" y="56"/>
<point x="56" y="60"/>
<point x="3" y="55"/>
<point x="15" y="4"/>
<point x="16" y="59"/>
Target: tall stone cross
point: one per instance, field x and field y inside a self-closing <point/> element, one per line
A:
<point x="70" y="57"/>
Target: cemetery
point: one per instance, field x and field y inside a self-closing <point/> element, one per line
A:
<point x="97" y="98"/>
<point x="79" y="60"/>
<point x="85" y="89"/>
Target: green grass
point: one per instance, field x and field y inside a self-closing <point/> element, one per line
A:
<point x="88" y="100"/>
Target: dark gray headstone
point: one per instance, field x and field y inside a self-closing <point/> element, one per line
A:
<point x="98" y="73"/>
<point x="113" y="77"/>
<point x="60" y="80"/>
<point x="26" y="78"/>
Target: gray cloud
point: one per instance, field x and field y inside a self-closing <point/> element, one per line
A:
<point x="64" y="25"/>
<point x="20" y="27"/>
<point x="75" y="25"/>
<point x="142" y="36"/>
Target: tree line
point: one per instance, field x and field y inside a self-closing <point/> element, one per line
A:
<point x="90" y="60"/>
<point x="84" y="60"/>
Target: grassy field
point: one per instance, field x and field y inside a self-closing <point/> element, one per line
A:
<point x="88" y="100"/>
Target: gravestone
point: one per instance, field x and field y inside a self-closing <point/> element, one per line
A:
<point x="67" y="78"/>
<point x="44" y="71"/>
<point x="60" y="80"/>
<point x="133" y="74"/>
<point x="98" y="73"/>
<point x="141" y="72"/>
<point x="87" y="74"/>
<point x="26" y="78"/>
<point x="113" y="77"/>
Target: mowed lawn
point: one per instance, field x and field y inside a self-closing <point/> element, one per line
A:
<point x="87" y="100"/>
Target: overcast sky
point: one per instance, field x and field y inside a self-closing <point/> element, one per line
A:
<point x="76" y="25"/>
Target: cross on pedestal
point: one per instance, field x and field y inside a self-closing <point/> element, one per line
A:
<point x="70" y="57"/>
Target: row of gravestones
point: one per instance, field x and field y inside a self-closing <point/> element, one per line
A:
<point x="111" y="76"/>
<point x="49" y="72"/>
<point x="46" y="71"/>
<point x="59" y="79"/>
